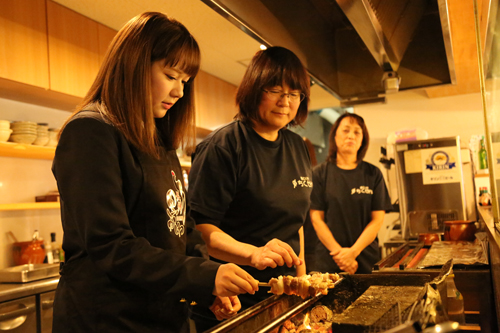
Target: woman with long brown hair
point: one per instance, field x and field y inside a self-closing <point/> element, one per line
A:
<point x="123" y="204"/>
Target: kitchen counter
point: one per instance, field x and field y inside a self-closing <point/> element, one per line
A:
<point x="494" y="247"/>
<point x="487" y="217"/>
<point x="10" y="291"/>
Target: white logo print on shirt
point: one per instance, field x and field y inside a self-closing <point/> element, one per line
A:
<point x="362" y="189"/>
<point x="176" y="207"/>
<point x="303" y="182"/>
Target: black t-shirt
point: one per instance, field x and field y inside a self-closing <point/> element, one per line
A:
<point x="254" y="190"/>
<point x="126" y="227"/>
<point x="348" y="198"/>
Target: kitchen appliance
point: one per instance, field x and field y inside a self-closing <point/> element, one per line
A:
<point x="435" y="184"/>
<point x="279" y="311"/>
<point x="359" y="51"/>
<point x="19" y="315"/>
<point x="470" y="267"/>
<point x="46" y="311"/>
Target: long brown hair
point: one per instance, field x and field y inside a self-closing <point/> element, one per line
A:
<point x="122" y="88"/>
<point x="332" y="151"/>
<point x="272" y="67"/>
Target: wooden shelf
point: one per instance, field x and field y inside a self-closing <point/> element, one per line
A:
<point x="30" y="206"/>
<point x="10" y="149"/>
<point x="479" y="175"/>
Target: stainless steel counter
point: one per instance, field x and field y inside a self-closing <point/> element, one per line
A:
<point x="487" y="216"/>
<point x="10" y="291"/>
<point x="494" y="247"/>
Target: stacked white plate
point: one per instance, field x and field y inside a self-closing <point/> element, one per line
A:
<point x="42" y="134"/>
<point x="53" y="134"/>
<point x="23" y="132"/>
<point x="5" y="130"/>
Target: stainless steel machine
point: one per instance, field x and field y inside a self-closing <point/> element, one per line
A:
<point x="435" y="183"/>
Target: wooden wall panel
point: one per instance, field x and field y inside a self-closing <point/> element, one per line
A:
<point x="23" y="42"/>
<point x="105" y="35"/>
<point x="73" y="50"/>
<point x="215" y="101"/>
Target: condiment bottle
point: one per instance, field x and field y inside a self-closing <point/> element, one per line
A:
<point x="56" y="249"/>
<point x="49" y="254"/>
<point x="484" y="197"/>
<point x="455" y="301"/>
<point x="483" y="158"/>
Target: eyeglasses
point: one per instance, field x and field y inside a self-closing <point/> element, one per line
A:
<point x="275" y="95"/>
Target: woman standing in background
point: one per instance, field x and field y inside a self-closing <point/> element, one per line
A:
<point x="348" y="201"/>
<point x="123" y="204"/>
<point x="250" y="180"/>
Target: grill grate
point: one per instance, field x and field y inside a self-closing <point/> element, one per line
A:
<point x="395" y="317"/>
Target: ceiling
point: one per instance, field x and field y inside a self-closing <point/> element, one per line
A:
<point x="226" y="50"/>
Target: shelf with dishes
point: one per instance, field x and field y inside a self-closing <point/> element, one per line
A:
<point x="29" y="206"/>
<point x="12" y="149"/>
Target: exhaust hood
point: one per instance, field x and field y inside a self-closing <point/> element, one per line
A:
<point x="357" y="50"/>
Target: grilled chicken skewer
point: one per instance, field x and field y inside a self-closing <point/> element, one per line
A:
<point x="303" y="286"/>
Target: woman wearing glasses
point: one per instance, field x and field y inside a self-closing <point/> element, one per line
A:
<point x="251" y="180"/>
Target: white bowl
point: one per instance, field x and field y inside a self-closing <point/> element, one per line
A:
<point x="24" y="131"/>
<point x="22" y="126"/>
<point x="4" y="124"/>
<point x="41" y="140"/>
<point x="42" y="128"/>
<point x="5" y="134"/>
<point x="23" y="138"/>
<point x="21" y="122"/>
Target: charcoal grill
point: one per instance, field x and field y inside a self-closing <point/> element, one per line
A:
<point x="470" y="267"/>
<point x="270" y="314"/>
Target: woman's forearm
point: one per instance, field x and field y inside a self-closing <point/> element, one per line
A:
<point x="224" y="247"/>
<point x="369" y="233"/>
<point x="323" y="231"/>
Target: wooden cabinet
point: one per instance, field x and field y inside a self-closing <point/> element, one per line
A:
<point x="49" y="55"/>
<point x="105" y="36"/>
<point x="73" y="50"/>
<point x="23" y="45"/>
<point x="215" y="101"/>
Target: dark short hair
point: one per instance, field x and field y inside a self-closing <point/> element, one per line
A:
<point x="274" y="66"/>
<point x="332" y="152"/>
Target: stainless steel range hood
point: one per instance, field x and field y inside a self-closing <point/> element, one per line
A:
<point x="358" y="50"/>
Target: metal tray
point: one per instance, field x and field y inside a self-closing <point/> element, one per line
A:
<point x="29" y="272"/>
